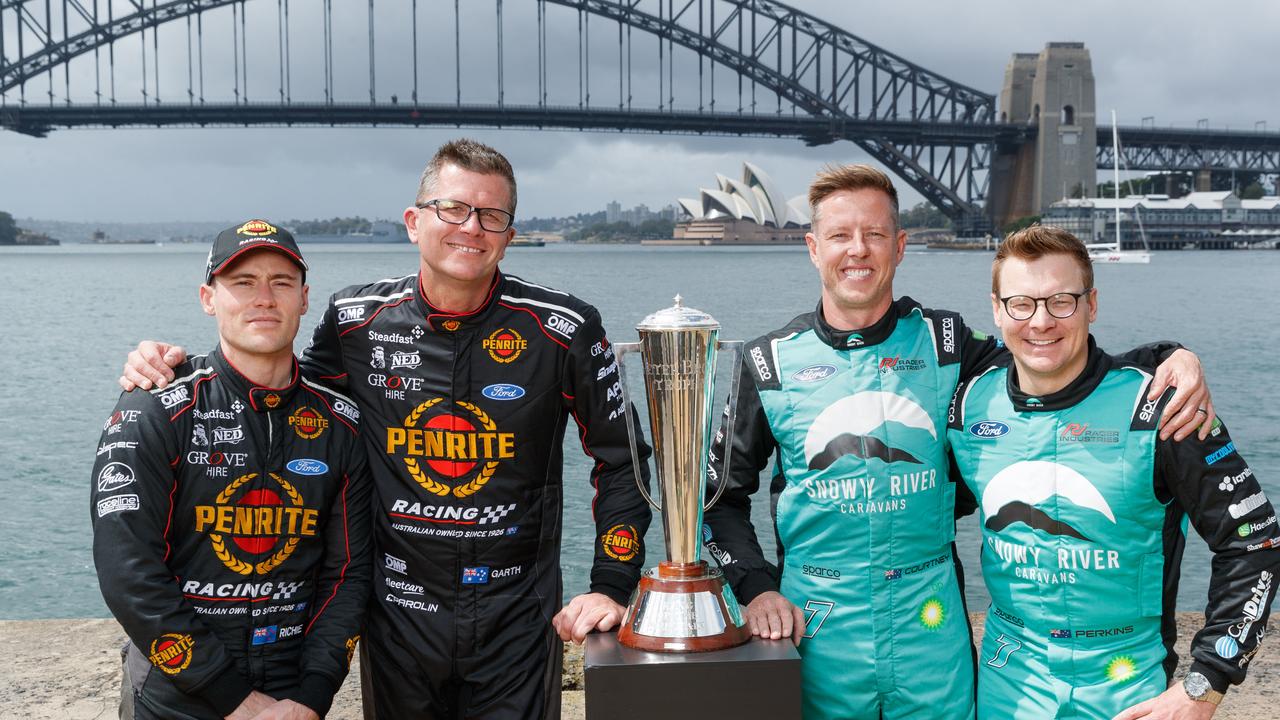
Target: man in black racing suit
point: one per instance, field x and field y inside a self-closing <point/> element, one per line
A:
<point x="466" y="378"/>
<point x="231" y="511"/>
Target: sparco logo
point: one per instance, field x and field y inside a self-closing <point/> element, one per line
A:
<point x="115" y="476"/>
<point x="762" y="368"/>
<point x="820" y="572"/>
<point x="351" y="314"/>
<point x="264" y="527"/>
<point x="562" y="325"/>
<point x="1148" y="410"/>
<point x="948" y="335"/>
<point x="988" y="429"/>
<point x="174" y="396"/>
<point x="443" y="443"/>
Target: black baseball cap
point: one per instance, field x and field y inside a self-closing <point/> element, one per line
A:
<point x="236" y="241"/>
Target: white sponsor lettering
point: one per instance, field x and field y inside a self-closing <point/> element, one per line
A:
<point x="288" y="632"/>
<point x="117" y="503"/>
<point x="395" y="382"/>
<point x="175" y="396"/>
<point x="350" y="314"/>
<point x="607" y="370"/>
<point x="948" y="335"/>
<point x="217" y="458"/>
<point x="115" y="476"/>
<point x="228" y="436"/>
<point x="1231" y="482"/>
<point x="401" y="359"/>
<point x="762" y="368"/>
<point x="106" y="448"/>
<point x="346" y="410"/>
<point x="395" y="564"/>
<point x="393" y="337"/>
<point x="562" y="325"/>
<point x="601" y="349"/>
<point x="1148" y="410"/>
<point x="216" y="414"/>
<point x="1247" y="505"/>
<point x="480" y="516"/>
<point x="119" y="419"/>
<point x="276" y="590"/>
<point x="405" y="587"/>
<point x="412" y="604"/>
<point x="506" y="572"/>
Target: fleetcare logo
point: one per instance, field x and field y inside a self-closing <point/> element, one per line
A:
<point x="450" y="447"/>
<point x="504" y="345"/>
<point x="621" y="543"/>
<point x="172" y="652"/>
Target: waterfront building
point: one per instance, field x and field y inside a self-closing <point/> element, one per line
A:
<point x="751" y="211"/>
<point x="1205" y="220"/>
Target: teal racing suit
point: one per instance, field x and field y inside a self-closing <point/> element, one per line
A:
<point x="863" y="507"/>
<point x="1084" y="515"/>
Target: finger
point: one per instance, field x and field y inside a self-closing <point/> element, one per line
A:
<point x="132" y="378"/>
<point x="174" y="356"/>
<point x="758" y="623"/>
<point x="1190" y="417"/>
<point x="1181" y="413"/>
<point x="1181" y="398"/>
<point x="1159" y="383"/>
<point x="775" y="624"/>
<point x="1210" y="419"/>
<point x="586" y="623"/>
<point x="150" y="363"/>
<point x="1136" y="711"/>
<point x="797" y="616"/>
<point x="612" y="617"/>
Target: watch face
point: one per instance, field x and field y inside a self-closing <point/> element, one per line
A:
<point x="1197" y="685"/>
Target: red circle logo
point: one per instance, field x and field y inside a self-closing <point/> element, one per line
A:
<point x="262" y="541"/>
<point x="452" y="424"/>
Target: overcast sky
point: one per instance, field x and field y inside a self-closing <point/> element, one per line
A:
<point x="1178" y="61"/>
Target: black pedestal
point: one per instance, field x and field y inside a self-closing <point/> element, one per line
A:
<point x="758" y="680"/>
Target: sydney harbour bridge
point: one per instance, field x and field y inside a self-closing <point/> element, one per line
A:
<point x="722" y="67"/>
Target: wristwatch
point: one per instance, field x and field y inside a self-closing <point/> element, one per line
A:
<point x="1198" y="688"/>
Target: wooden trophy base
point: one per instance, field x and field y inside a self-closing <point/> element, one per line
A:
<point x="685" y="607"/>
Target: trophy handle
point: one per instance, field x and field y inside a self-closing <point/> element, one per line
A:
<point x="619" y="350"/>
<point x="735" y="353"/>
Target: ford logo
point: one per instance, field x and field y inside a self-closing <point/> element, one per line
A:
<point x="988" y="429"/>
<point x="503" y="391"/>
<point x="307" y="466"/>
<point x="814" y="373"/>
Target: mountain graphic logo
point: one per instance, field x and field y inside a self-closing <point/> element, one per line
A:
<point x="845" y="427"/>
<point x="1014" y="494"/>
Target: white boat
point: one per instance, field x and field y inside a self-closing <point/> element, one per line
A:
<point x="1110" y="253"/>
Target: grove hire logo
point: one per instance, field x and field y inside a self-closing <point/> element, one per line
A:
<point x="450" y="448"/>
<point x="263" y="527"/>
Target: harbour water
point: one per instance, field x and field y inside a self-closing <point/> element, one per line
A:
<point x="69" y="314"/>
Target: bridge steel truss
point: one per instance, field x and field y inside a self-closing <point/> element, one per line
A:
<point x="826" y="84"/>
<point x="1186" y="150"/>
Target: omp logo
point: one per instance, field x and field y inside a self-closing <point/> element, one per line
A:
<point x="350" y="314"/>
<point x="395" y="564"/>
<point x="561" y="325"/>
<point x="621" y="542"/>
<point x="346" y="410"/>
<point x="308" y="423"/>
<point x="115" y="476"/>
<point x="174" y="396"/>
<point x="458" y="443"/>
<point x="264" y="528"/>
<point x="172" y="652"/>
<point x="504" y="345"/>
<point x="256" y="228"/>
<point x="988" y="429"/>
<point x="762" y="368"/>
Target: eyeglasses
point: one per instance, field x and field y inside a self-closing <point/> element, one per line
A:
<point x="456" y="212"/>
<point x="1060" y="305"/>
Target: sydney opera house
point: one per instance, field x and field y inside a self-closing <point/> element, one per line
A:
<point x="750" y="211"/>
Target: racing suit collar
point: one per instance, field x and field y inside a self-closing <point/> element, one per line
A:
<point x="445" y="321"/>
<point x="1095" y="369"/>
<point x="261" y="399"/>
<point x="876" y="333"/>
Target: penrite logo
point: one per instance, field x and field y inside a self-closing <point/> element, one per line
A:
<point x="172" y="652"/>
<point x="115" y="476"/>
<point x="451" y="325"/>
<point x="256" y="228"/>
<point x="263" y="527"/>
<point x="504" y="345"/>
<point x="442" y="444"/>
<point x="308" y="423"/>
<point x="621" y="542"/>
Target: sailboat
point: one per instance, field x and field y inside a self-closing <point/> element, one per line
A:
<point x="1111" y="253"/>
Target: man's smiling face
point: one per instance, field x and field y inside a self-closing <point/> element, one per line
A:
<point x="465" y="254"/>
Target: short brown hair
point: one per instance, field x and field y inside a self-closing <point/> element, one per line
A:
<point x="470" y="155"/>
<point x="834" y="178"/>
<point x="1033" y="243"/>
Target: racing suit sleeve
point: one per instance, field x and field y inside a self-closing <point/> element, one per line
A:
<point x="733" y="539"/>
<point x="342" y="587"/>
<point x="131" y="510"/>
<point x="593" y="394"/>
<point x="1219" y="492"/>
<point x="322" y="360"/>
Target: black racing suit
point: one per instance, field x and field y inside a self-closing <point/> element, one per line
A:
<point x="464" y="419"/>
<point x="231" y="539"/>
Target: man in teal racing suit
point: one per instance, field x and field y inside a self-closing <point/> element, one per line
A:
<point x="853" y="398"/>
<point x="1084" y="514"/>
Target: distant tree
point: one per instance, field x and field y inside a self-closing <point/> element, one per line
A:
<point x="8" y="230"/>
<point x="923" y="215"/>
<point x="1253" y="191"/>
<point x="1020" y="223"/>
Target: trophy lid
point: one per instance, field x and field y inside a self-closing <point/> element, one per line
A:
<point x="678" y="317"/>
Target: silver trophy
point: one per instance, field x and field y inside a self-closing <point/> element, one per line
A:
<point x="683" y="605"/>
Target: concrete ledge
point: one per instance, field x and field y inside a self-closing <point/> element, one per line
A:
<point x="70" y="670"/>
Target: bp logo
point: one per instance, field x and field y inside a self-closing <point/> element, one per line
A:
<point x="450" y="448"/>
<point x="1121" y="669"/>
<point x="256" y="228"/>
<point x="254" y="527"/>
<point x="933" y="614"/>
<point x="308" y="423"/>
<point x="171" y="652"/>
<point x="622" y="542"/>
<point x="505" y="345"/>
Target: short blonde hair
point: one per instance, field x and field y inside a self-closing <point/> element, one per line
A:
<point x="1033" y="243"/>
<point x="834" y="178"/>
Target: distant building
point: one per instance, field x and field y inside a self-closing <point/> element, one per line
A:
<point x="1209" y="220"/>
<point x="613" y="212"/>
<point x="751" y="211"/>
